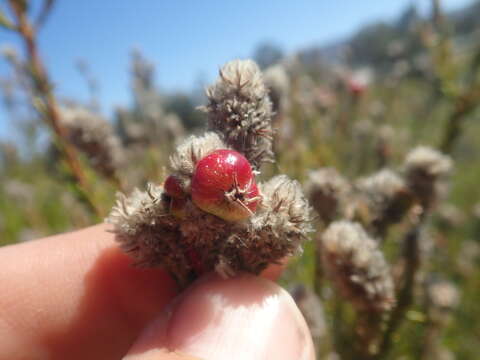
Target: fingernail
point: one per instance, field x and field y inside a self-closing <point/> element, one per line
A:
<point x="246" y="317"/>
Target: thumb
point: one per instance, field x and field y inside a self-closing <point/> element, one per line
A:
<point x="245" y="317"/>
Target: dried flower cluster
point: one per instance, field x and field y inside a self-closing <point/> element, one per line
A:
<point x="443" y="295"/>
<point x="349" y="248"/>
<point x="424" y="167"/>
<point x="357" y="267"/>
<point x="428" y="161"/>
<point x="327" y="191"/>
<point x="278" y="84"/>
<point x="392" y="264"/>
<point x="166" y="227"/>
<point x="382" y="198"/>
<point x="450" y="216"/>
<point x="148" y="122"/>
<point x="387" y="198"/>
<point x="383" y="184"/>
<point x="156" y="125"/>
<point x="240" y="110"/>
<point x="94" y="136"/>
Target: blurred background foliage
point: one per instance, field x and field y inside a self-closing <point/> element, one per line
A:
<point x="358" y="105"/>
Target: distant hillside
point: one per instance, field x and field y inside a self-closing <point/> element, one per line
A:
<point x="380" y="44"/>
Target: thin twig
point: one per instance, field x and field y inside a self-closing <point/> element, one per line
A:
<point x="44" y="13"/>
<point x="464" y="105"/>
<point x="411" y="257"/>
<point x="42" y="89"/>
<point x="368" y="330"/>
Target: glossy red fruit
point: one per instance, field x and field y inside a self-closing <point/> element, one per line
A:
<point x="223" y="184"/>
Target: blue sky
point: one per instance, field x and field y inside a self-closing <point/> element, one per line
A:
<point x="185" y="39"/>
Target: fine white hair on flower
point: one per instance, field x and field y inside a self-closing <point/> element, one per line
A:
<point x="239" y="75"/>
<point x="288" y="210"/>
<point x="140" y="208"/>
<point x="240" y="110"/>
<point x="428" y="161"/>
<point x="194" y="148"/>
<point x="357" y="267"/>
<point x="146" y="231"/>
<point x="275" y="231"/>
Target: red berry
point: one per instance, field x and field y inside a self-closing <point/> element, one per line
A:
<point x="173" y="188"/>
<point x="223" y="184"/>
<point x="356" y="88"/>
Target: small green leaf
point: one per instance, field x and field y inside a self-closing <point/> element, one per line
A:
<point x="416" y="316"/>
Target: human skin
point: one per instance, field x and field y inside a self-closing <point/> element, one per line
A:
<point x="76" y="296"/>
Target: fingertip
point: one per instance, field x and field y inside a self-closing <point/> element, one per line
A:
<point x="245" y="317"/>
<point x="160" y="354"/>
<point x="58" y="291"/>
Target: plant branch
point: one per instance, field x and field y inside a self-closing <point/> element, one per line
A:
<point x="463" y="106"/>
<point x="42" y="89"/>
<point x="411" y="258"/>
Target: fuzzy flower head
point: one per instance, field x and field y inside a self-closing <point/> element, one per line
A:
<point x="443" y="298"/>
<point x="443" y="294"/>
<point x="210" y="214"/>
<point x="356" y="266"/>
<point x="384" y="183"/>
<point x="424" y="169"/>
<point x="386" y="197"/>
<point x="148" y="227"/>
<point x="240" y="110"/>
<point x="358" y="81"/>
<point x="327" y="191"/>
<point x="450" y="216"/>
<point x="94" y="136"/>
<point x="278" y="83"/>
<point x="428" y="161"/>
